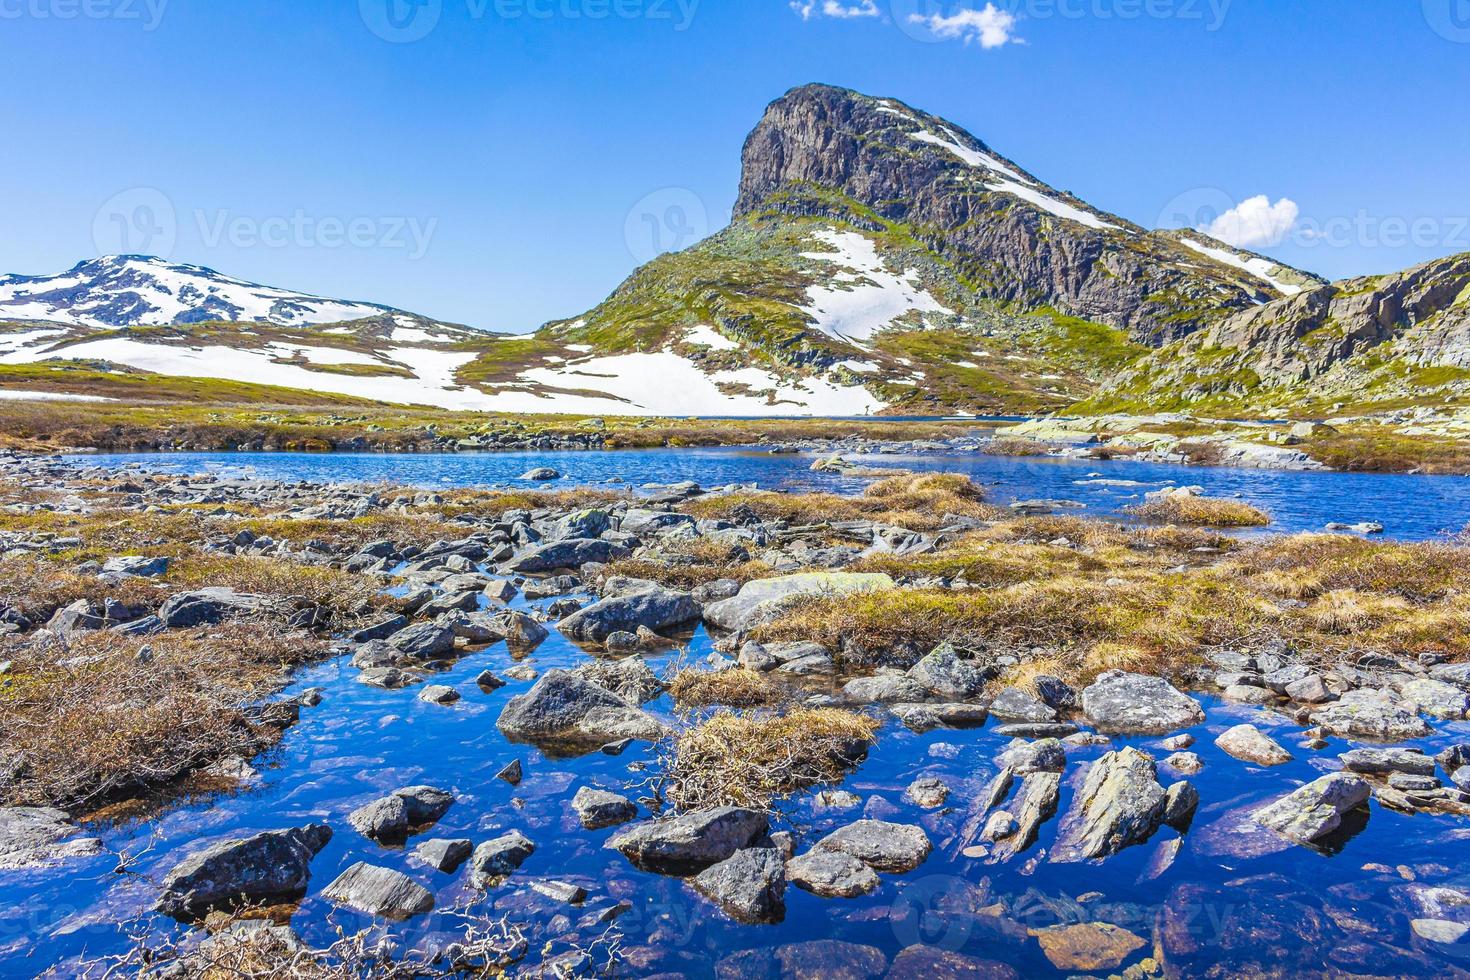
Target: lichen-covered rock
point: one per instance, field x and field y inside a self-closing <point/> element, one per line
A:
<point x="946" y="674"/>
<point x="597" y="808"/>
<point x="763" y="598"/>
<point x="1120" y="804"/>
<point x="655" y="609"/>
<point x="1249" y="744"/>
<point x="1317" y="809"/>
<point x="565" y="706"/>
<point x="831" y="874"/>
<point x="1122" y="702"/>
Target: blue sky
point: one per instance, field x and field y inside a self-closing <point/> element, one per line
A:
<point x="497" y="170"/>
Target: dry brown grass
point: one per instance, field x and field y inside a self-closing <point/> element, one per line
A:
<point x="111" y="723"/>
<point x="1016" y="447"/>
<point x="752" y="759"/>
<point x="687" y="565"/>
<point x="344" y="594"/>
<point x="1201" y="512"/>
<point x="736" y="688"/>
<point x="38" y="588"/>
<point x="917" y="501"/>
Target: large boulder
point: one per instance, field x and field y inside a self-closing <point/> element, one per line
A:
<point x="750" y="885"/>
<point x="1120" y="804"/>
<point x="1381" y="762"/>
<point x="831" y="874"/>
<point x="881" y="845"/>
<point x="379" y="891"/>
<point x="205" y="607"/>
<point x="630" y="678"/>
<point x="423" y="641"/>
<point x="763" y="599"/>
<point x="1317" y="809"/>
<point x="1122" y="702"/>
<point x="267" y="867"/>
<point x="36" y="836"/>
<point x="655" y="609"/>
<point x="567" y="553"/>
<point x="689" y="843"/>
<point x="564" y="706"/>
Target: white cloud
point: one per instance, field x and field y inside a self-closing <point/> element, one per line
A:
<point x="807" y="9"/>
<point x="990" y="25"/>
<point x="1254" y="221"/>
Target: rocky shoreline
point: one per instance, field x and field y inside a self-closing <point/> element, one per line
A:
<point x="1099" y="758"/>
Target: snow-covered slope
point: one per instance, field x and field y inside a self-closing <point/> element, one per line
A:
<point x="139" y="290"/>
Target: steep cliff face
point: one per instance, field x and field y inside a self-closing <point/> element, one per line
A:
<point x="1375" y="339"/>
<point x="1010" y="237"/>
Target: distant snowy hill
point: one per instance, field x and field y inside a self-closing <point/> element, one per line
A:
<point x="139" y="290"/>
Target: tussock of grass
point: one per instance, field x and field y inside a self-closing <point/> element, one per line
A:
<point x="343" y="593"/>
<point x="750" y="760"/>
<point x="1201" y="512"/>
<point x="112" y="723"/>
<point x="37" y="588"/>
<point x="1016" y="447"/>
<point x="687" y="566"/>
<point x="735" y="688"/>
<point x="917" y="501"/>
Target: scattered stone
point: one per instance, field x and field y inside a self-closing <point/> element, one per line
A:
<point x="560" y="891"/>
<point x="654" y="609"/>
<point x="37" y="836"/>
<point x="564" y="705"/>
<point x="500" y="857"/>
<point x="764" y="598"/>
<point x="390" y="819"/>
<point x="750" y="885"/>
<point x="1044" y="755"/>
<point x="882" y="846"/>
<point x="1248" y="743"/>
<point x="1370" y="721"/>
<point x="831" y="874"/>
<point x="511" y="772"/>
<point x="1315" y="810"/>
<point x="444" y="855"/>
<point x="927" y="792"/>
<point x="1122" y="702"/>
<point x="1087" y="946"/>
<point x="948" y="675"/>
<point x="690" y="842"/>
<point x="380" y="892"/>
<point x="439" y="694"/>
<point x="1120" y="804"/>
<point x="1379" y="762"/>
<point x="1185" y="762"/>
<point x="272" y="866"/>
<point x="597" y="808"/>
<point x="1014" y="704"/>
<point x="1180" y="801"/>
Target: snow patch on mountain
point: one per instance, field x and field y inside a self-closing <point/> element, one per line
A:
<point x="865" y="298"/>
<point x="705" y="335"/>
<point x="974" y="158"/>
<point x="1261" y="268"/>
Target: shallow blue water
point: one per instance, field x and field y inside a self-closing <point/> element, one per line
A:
<point x="1223" y="911"/>
<point x="1409" y="507"/>
<point x="1292" y="909"/>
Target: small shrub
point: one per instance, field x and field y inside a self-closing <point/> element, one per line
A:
<point x="1016" y="447"/>
<point x="750" y="760"/>
<point x="735" y="688"/>
<point x="1201" y="512"/>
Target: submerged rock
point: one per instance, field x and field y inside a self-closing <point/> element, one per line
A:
<point x="35" y="836"/>
<point x="1315" y="810"/>
<point x="1122" y="702"/>
<point x="1087" y="946"/>
<point x="750" y="885"/>
<point x="271" y="866"/>
<point x="1120" y="804"/>
<point x="444" y="855"/>
<point x="690" y="842"/>
<point x="379" y="891"/>
<point x="597" y="808"/>
<point x="389" y="820"/>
